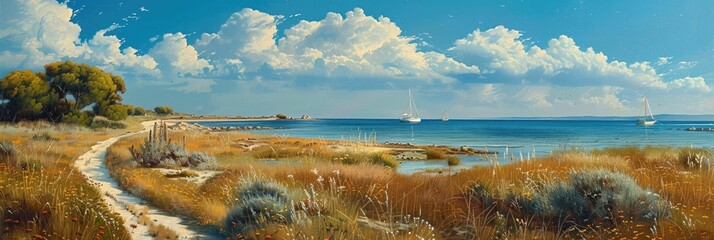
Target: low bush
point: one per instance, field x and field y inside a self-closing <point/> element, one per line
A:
<point x="453" y="160"/>
<point x="83" y="118"/>
<point x="44" y="137"/>
<point x="586" y="197"/>
<point x="164" y="110"/>
<point x="261" y="203"/>
<point x="106" y="123"/>
<point x="385" y="159"/>
<point x="432" y="153"/>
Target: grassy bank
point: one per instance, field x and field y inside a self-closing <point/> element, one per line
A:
<point x="654" y="192"/>
<point x="42" y="196"/>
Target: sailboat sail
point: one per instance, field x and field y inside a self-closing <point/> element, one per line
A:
<point x="413" y="115"/>
<point x="648" y="118"/>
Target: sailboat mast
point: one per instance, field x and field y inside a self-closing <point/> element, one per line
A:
<point x="410" y="102"/>
<point x="645" y="105"/>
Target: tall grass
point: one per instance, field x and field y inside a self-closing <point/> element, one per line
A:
<point x="337" y="194"/>
<point x="42" y="196"/>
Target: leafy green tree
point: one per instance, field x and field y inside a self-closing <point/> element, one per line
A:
<point x="163" y="110"/>
<point x="80" y="85"/>
<point x="25" y="95"/>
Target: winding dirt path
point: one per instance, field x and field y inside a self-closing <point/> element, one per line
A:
<point x="91" y="164"/>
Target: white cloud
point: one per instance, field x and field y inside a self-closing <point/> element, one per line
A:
<point x="37" y="32"/>
<point x="356" y="45"/>
<point x="105" y="51"/>
<point x="696" y="84"/>
<point x="663" y="61"/>
<point x="176" y="58"/>
<point x="562" y="62"/>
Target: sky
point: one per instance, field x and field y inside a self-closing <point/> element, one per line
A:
<point x="358" y="59"/>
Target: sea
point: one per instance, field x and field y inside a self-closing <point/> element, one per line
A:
<point x="511" y="138"/>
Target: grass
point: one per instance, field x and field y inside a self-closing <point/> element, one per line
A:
<point x="42" y="195"/>
<point x="453" y="160"/>
<point x="433" y="153"/>
<point x="182" y="174"/>
<point x="342" y="194"/>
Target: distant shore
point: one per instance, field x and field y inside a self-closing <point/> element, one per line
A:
<point x="218" y="119"/>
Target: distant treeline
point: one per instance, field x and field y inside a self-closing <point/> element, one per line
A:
<point x="64" y="92"/>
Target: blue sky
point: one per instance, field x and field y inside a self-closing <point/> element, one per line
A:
<point x="357" y="58"/>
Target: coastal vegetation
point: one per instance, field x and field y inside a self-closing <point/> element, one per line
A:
<point x="43" y="196"/>
<point x="301" y="188"/>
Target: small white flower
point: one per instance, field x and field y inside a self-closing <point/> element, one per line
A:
<point x="336" y="172"/>
<point x="290" y="176"/>
<point x="320" y="179"/>
<point x="314" y="170"/>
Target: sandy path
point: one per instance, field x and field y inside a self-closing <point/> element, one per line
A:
<point x="91" y="164"/>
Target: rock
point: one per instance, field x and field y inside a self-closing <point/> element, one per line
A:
<point x="306" y="117"/>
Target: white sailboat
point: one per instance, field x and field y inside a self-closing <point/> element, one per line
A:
<point x="445" y="117"/>
<point x="411" y="117"/>
<point x="648" y="119"/>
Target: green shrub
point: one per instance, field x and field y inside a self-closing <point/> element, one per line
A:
<point x="105" y="123"/>
<point x="433" y="153"/>
<point x="129" y="110"/>
<point x="385" y="159"/>
<point x="44" y="137"/>
<point x="586" y="197"/>
<point x="598" y="195"/>
<point x="163" y="110"/>
<point x="139" y="111"/>
<point x="453" y="160"/>
<point x="281" y="116"/>
<point x="261" y="202"/>
<point x="115" y="112"/>
<point x="83" y="118"/>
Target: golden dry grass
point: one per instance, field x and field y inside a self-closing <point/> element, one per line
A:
<point x="42" y="195"/>
<point x="441" y="203"/>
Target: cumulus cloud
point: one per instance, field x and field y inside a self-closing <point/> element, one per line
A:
<point x="562" y="62"/>
<point x="176" y="58"/>
<point x="105" y="51"/>
<point x="355" y="45"/>
<point x="36" y="32"/>
<point x="695" y="84"/>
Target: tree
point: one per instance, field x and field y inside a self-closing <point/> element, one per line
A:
<point x="163" y="110"/>
<point x="25" y="95"/>
<point x="281" y="116"/>
<point x="80" y="85"/>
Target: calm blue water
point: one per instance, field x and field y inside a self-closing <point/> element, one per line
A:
<point x="520" y="136"/>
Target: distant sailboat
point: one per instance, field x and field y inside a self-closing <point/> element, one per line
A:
<point x="445" y="117"/>
<point x="648" y="119"/>
<point x="411" y="117"/>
